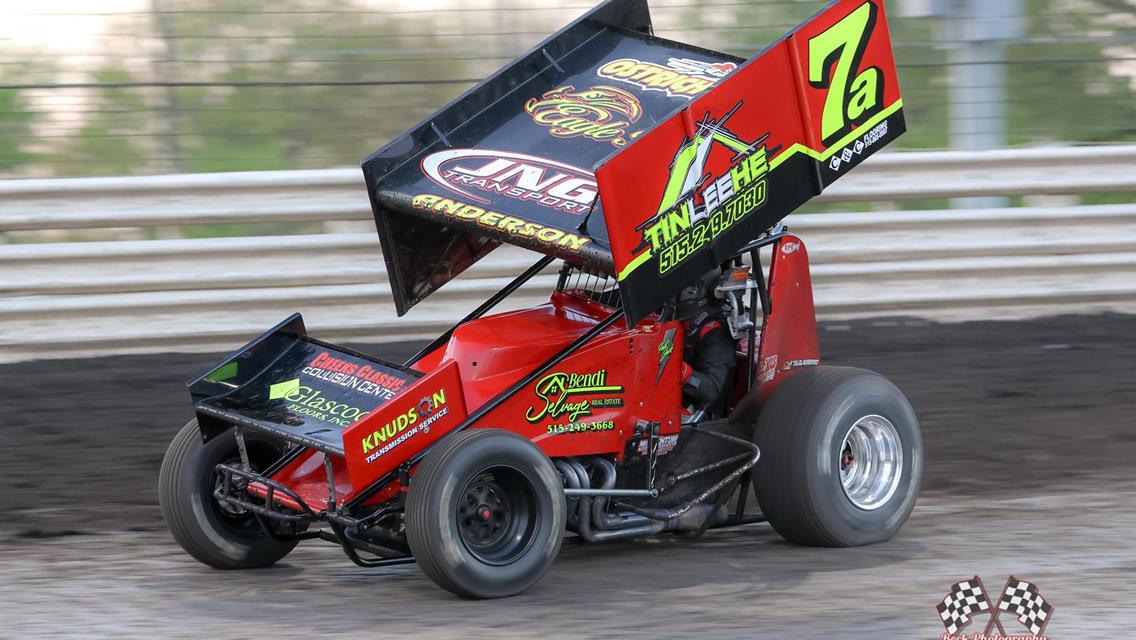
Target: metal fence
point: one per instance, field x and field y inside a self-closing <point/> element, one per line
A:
<point x="162" y="86"/>
<point x="60" y="298"/>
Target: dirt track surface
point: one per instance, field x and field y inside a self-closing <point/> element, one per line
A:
<point x="1009" y="411"/>
<point x="739" y="583"/>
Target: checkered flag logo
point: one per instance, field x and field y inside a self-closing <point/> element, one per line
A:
<point x="964" y="599"/>
<point x="1022" y="599"/>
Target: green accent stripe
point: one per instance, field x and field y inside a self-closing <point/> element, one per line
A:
<point x="223" y="372"/>
<point x="839" y="144"/>
<point x="797" y="147"/>
<point x="635" y="264"/>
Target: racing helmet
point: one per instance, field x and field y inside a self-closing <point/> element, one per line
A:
<point x="697" y="297"/>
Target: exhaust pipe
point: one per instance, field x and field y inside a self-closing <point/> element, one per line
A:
<point x="573" y="482"/>
<point x="600" y="517"/>
<point x="593" y="524"/>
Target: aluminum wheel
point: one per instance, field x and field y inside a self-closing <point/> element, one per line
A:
<point x="870" y="463"/>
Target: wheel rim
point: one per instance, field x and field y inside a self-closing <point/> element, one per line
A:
<point x="497" y="515"/>
<point x="870" y="462"/>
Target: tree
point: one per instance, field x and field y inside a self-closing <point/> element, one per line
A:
<point x="1069" y="82"/>
<point x="17" y="122"/>
<point x="276" y="82"/>
<point x="269" y="89"/>
<point x="113" y="141"/>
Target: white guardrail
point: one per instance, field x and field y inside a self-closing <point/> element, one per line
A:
<point x="62" y="299"/>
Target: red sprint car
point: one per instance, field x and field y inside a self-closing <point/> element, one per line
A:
<point x="655" y="175"/>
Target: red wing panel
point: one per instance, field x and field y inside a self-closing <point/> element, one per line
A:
<point x="420" y="415"/>
<point x="762" y="142"/>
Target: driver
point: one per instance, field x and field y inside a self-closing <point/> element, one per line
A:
<point x="709" y="347"/>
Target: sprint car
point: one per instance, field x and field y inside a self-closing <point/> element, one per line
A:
<point x="634" y="165"/>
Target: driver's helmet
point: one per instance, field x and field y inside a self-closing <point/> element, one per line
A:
<point x="699" y="296"/>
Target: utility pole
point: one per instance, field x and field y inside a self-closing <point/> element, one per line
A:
<point x="975" y="34"/>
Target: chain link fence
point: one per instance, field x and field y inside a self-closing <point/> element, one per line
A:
<point x="125" y="87"/>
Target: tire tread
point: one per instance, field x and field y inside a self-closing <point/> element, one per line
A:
<point x="422" y="514"/>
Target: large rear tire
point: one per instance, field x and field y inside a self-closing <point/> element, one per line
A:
<point x="841" y="458"/>
<point x="485" y="514"/>
<point x="215" y="534"/>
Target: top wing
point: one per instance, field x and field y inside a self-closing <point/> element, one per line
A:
<point x="632" y="155"/>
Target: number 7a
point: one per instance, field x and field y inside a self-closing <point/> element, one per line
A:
<point x="834" y="56"/>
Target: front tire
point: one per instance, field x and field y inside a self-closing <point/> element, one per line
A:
<point x="485" y="514"/>
<point x="217" y="535"/>
<point x="841" y="458"/>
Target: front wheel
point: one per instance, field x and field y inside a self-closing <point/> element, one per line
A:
<point x="841" y="458"/>
<point x="216" y="534"/>
<point x="485" y="514"/>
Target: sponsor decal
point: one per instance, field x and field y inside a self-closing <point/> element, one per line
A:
<point x="678" y="78"/>
<point x="666" y="445"/>
<point x="306" y="401"/>
<point x="483" y="174"/>
<point x="559" y="395"/>
<point x="666" y="348"/>
<point x="768" y="368"/>
<point x="790" y="247"/>
<point x="508" y="224"/>
<point x="600" y="113"/>
<point x="793" y="364"/>
<point x="363" y="379"/>
<point x="873" y="136"/>
<point x="968" y="598"/>
<point x="697" y="207"/>
<point x="431" y="408"/>
<point x="579" y="427"/>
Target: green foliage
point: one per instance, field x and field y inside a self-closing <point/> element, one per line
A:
<point x="15" y="127"/>
<point x="114" y="140"/>
<point x="1067" y="86"/>
<point x="237" y="116"/>
<point x="17" y="118"/>
<point x="227" y="128"/>
<point x="1064" y="83"/>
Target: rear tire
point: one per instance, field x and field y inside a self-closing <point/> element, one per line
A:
<point x="485" y="514"/>
<point x="841" y="458"/>
<point x="214" y="534"/>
